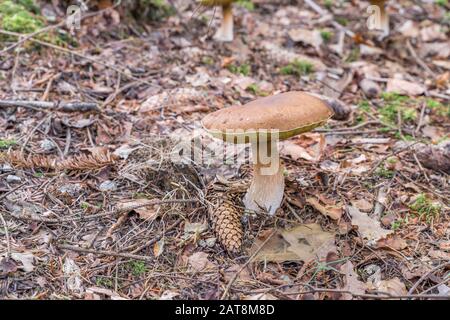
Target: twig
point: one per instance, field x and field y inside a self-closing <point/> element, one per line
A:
<point x="105" y="252"/>
<point x="12" y="190"/>
<point x="390" y="155"/>
<point x="156" y="239"/>
<point x="58" y="106"/>
<point x="22" y="216"/>
<point x="80" y="55"/>
<point x="323" y="12"/>
<point x="253" y="256"/>
<point x="418" y="60"/>
<point x="414" y="287"/>
<point x="8" y="241"/>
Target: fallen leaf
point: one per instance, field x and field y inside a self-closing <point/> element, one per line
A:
<point x="404" y="87"/>
<point x="7" y="266"/>
<point x="148" y="213"/>
<point x="261" y="296"/>
<point x="351" y="282"/>
<point x="363" y="205"/>
<point x="392" y="286"/>
<point x="158" y="248"/>
<point x="334" y="212"/>
<point x="308" y="146"/>
<point x="199" y="261"/>
<point x="301" y="243"/>
<point x="169" y="295"/>
<point x="441" y="255"/>
<point x="196" y="228"/>
<point x="432" y="33"/>
<point x="392" y="242"/>
<point x="26" y="259"/>
<point x="370" y="229"/>
<point x="73" y="276"/>
<point x="312" y="38"/>
<point x="107" y="292"/>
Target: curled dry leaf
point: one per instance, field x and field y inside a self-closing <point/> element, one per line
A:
<point x="370" y="229"/>
<point x="148" y="212"/>
<point x="158" y="248"/>
<point x="307" y="146"/>
<point x="332" y="211"/>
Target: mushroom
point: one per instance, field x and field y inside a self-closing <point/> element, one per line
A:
<point x="225" y="32"/>
<point x="384" y="17"/>
<point x="263" y="123"/>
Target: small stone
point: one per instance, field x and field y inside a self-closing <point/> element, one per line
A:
<point x="48" y="145"/>
<point x="13" y="179"/>
<point x="71" y="190"/>
<point x="5" y="168"/>
<point x="107" y="185"/>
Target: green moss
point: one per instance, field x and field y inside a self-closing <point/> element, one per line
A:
<point x="137" y="268"/>
<point x="297" y="68"/>
<point x="326" y="35"/>
<point x="7" y="143"/>
<point x="384" y="173"/>
<point x="442" y="3"/>
<point x="207" y="60"/>
<point x="425" y="209"/>
<point x="21" y="22"/>
<point x="247" y="4"/>
<point x="243" y="69"/>
<point x="103" y="282"/>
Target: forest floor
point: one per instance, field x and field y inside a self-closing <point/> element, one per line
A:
<point x="366" y="210"/>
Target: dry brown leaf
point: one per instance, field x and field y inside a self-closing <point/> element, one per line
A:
<point x="199" y="261"/>
<point x="363" y="205"/>
<point x="158" y="248"/>
<point x="334" y="212"/>
<point x="308" y="146"/>
<point x="302" y="243"/>
<point x="370" y="229"/>
<point x="392" y="242"/>
<point x="310" y="37"/>
<point x="392" y="286"/>
<point x="404" y="87"/>
<point x="351" y="282"/>
<point x="149" y="212"/>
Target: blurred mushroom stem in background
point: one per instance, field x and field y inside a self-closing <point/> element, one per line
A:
<point x="267" y="187"/>
<point x="384" y="17"/>
<point x="225" y="32"/>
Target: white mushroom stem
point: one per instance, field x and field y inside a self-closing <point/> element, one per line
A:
<point x="225" y="32"/>
<point x="384" y="19"/>
<point x="267" y="187"/>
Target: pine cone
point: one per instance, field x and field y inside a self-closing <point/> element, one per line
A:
<point x="226" y="223"/>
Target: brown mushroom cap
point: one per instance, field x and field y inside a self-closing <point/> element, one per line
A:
<point x="212" y="3"/>
<point x="291" y="113"/>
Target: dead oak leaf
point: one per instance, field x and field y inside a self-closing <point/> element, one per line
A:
<point x="302" y="243"/>
<point x="370" y="229"/>
<point x="199" y="261"/>
<point x="351" y="282"/>
<point x="332" y="211"/>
